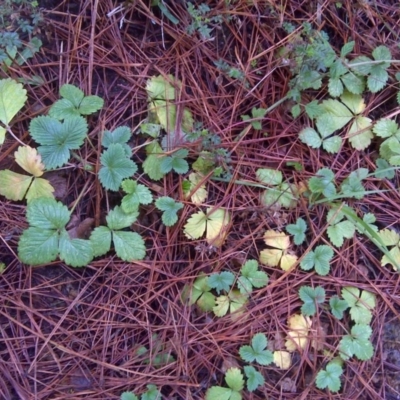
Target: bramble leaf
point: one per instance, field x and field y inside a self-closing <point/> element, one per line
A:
<point x="57" y="138"/>
<point x="256" y="352"/>
<point x="298" y="230"/>
<point x="136" y="194"/>
<point x="311" y="297"/>
<point x="221" y="281"/>
<point x="320" y="259"/>
<point x="170" y="207"/>
<point x="330" y="377"/>
<point x="115" y="167"/>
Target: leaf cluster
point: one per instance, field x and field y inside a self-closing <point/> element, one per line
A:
<point x="311" y="297"/>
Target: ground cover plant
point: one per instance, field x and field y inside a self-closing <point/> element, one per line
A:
<point x="199" y="200"/>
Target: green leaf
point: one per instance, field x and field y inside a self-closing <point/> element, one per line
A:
<point x="129" y="246"/>
<point x="338" y="230"/>
<point x="137" y="194"/>
<point x="74" y="103"/>
<point x="353" y="83"/>
<point x="152" y="130"/>
<point x="352" y="187"/>
<point x="361" y="304"/>
<point x="256" y="352"/>
<point x="46" y="213"/>
<point x="311" y="297"/>
<point x="119" y="135"/>
<point x="269" y="176"/>
<point x="335" y="87"/>
<point x="298" y="231"/>
<point x="381" y="169"/>
<point x="152" y="393"/>
<point x="75" y="252"/>
<point x="347" y="49"/>
<point x="152" y="163"/>
<point x="175" y="162"/>
<point x="320" y="259"/>
<point x="117" y="219"/>
<point x="313" y="109"/>
<point x="254" y="378"/>
<point x="251" y="276"/>
<point x="386" y="128"/>
<point x="170" y="208"/>
<point x="221" y="393"/>
<point x="338" y="306"/>
<point x="322" y="183"/>
<point x="311" y="138"/>
<point x="221" y="281"/>
<point x="129" y="396"/>
<point x="357" y="343"/>
<point x="330" y="377"/>
<point x="38" y="246"/>
<point x="57" y="138"/>
<point x="12" y="99"/>
<point x="100" y="238"/>
<point x="234" y="379"/>
<point x="115" y="166"/>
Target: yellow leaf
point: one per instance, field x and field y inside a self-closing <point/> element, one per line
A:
<point x="395" y="253"/>
<point x="2" y="134"/>
<point x="277" y="239"/>
<point x="222" y="306"/>
<point x="282" y="359"/>
<point x="288" y="261"/>
<point x="40" y="188"/>
<point x="215" y="222"/>
<point x="29" y="159"/>
<point x="299" y="327"/>
<point x="13" y="185"/>
<point x="200" y="195"/>
<point x="270" y="257"/>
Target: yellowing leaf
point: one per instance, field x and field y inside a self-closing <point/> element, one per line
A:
<point x="13" y="185"/>
<point x="40" y="188"/>
<point x="282" y="359"/>
<point x="200" y="195"/>
<point x="12" y="99"/>
<point x="299" y="327"/>
<point x="354" y="102"/>
<point x="391" y="238"/>
<point x="222" y="306"/>
<point x="2" y="134"/>
<point x="29" y="159"/>
<point x="279" y="254"/>
<point x="360" y="134"/>
<point x="215" y="224"/>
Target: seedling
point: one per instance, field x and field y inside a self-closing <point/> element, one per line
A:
<point x="311" y="298"/>
<point x="361" y="304"/>
<point x="298" y="230"/>
<point x="136" y="194"/>
<point x="357" y="343"/>
<point x="257" y="351"/>
<point x="319" y="258"/>
<point x="170" y="209"/>
<point x="330" y="376"/>
<point x="235" y="382"/>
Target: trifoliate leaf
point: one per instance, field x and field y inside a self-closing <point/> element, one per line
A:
<point x="170" y="208"/>
<point x="329" y="378"/>
<point x="221" y="281"/>
<point x="129" y="246"/>
<point x="100" y="238"/>
<point x="200" y="194"/>
<point x="361" y="304"/>
<point x="57" y="138"/>
<point x="322" y="183"/>
<point x="279" y="254"/>
<point x="129" y="396"/>
<point x="320" y="259"/>
<point x="175" y="162"/>
<point x="200" y="294"/>
<point x="215" y="222"/>
<point x="75" y="252"/>
<point x="311" y="297"/>
<point x="74" y="103"/>
<point x="47" y="214"/>
<point x="152" y="163"/>
<point x="257" y="351"/>
<point x="339" y="114"/>
<point x="234" y="379"/>
<point x="12" y="99"/>
<point x="338" y="306"/>
<point x="115" y="167"/>
<point x="299" y="327"/>
<point x="338" y="230"/>
<point x="117" y="219"/>
<point x="250" y="276"/>
<point x="357" y="343"/>
<point x="119" y="135"/>
<point x="282" y="359"/>
<point x="254" y="378"/>
<point x="233" y="302"/>
<point x="136" y="194"/>
<point x="298" y="231"/>
<point x="28" y="159"/>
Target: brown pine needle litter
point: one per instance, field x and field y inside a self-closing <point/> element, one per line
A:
<point x="70" y="333"/>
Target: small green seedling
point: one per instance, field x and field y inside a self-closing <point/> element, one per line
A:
<point x="361" y="303"/>
<point x="298" y="230"/>
<point x="257" y="114"/>
<point x="357" y="343"/>
<point x="330" y="376"/>
<point x="254" y="378"/>
<point x="221" y="281"/>
<point x="339" y="227"/>
<point x="136" y="194"/>
<point x="319" y="258"/>
<point x="200" y="294"/>
<point x="257" y="351"/>
<point x="152" y="393"/>
<point x="170" y="208"/>
<point x="251" y="277"/>
<point x="338" y="306"/>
